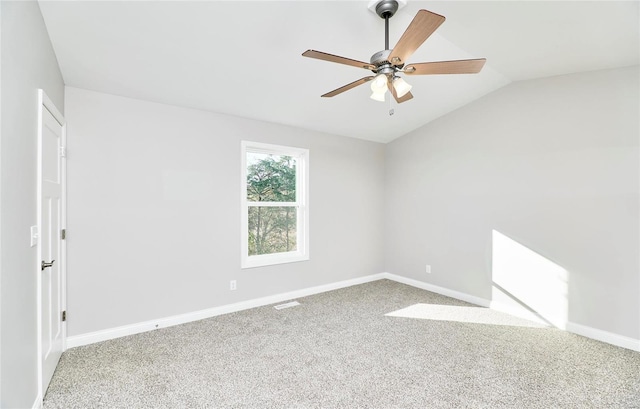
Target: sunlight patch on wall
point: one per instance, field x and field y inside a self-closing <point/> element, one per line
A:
<point x="527" y="284"/>
<point x="457" y="313"/>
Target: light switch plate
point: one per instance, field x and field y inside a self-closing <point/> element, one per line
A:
<point x="34" y="236"/>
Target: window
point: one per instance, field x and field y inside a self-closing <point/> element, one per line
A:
<point x="275" y="218"/>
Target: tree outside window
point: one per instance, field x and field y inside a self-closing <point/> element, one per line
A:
<point x="271" y="178"/>
<point x="274" y="211"/>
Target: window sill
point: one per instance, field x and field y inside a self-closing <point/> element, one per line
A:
<point x="272" y="259"/>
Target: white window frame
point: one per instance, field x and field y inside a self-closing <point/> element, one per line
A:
<point x="302" y="204"/>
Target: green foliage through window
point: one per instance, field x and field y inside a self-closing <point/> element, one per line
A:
<point x="272" y="230"/>
<point x="271" y="179"/>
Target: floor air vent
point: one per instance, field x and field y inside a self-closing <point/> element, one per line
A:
<point x="286" y="305"/>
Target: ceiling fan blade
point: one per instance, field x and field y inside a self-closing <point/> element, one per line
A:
<point x="335" y="58"/>
<point x="446" y="67"/>
<point x="422" y="26"/>
<point x="347" y="87"/>
<point x="402" y="99"/>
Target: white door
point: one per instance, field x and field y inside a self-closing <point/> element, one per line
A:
<point x="50" y="225"/>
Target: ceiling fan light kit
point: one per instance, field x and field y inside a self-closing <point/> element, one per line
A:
<point x="378" y="96"/>
<point x="379" y="87"/>
<point x="389" y="63"/>
<point x="401" y="86"/>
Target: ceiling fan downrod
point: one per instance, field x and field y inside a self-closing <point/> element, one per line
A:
<point x="386" y="9"/>
<point x="386" y="32"/>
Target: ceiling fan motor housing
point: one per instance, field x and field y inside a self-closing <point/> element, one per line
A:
<point x="380" y="58"/>
<point x="381" y="61"/>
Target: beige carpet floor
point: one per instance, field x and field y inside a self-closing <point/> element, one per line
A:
<point x="340" y="349"/>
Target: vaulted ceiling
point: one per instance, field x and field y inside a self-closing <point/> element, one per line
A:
<point x="244" y="57"/>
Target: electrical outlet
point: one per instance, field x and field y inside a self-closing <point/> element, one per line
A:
<point x="428" y="269"/>
<point x="232" y="285"/>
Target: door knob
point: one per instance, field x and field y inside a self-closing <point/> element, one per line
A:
<point x="45" y="265"/>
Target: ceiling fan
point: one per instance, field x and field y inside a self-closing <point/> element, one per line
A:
<point x="387" y="64"/>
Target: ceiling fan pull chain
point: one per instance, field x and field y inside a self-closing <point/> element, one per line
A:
<point x="391" y="111"/>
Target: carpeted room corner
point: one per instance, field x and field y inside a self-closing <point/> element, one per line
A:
<point x="342" y="349"/>
<point x="190" y="217"/>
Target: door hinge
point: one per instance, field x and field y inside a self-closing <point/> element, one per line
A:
<point x="63" y="234"/>
<point x="64" y="316"/>
<point x="63" y="151"/>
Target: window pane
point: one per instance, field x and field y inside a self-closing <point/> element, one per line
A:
<point x="271" y="178"/>
<point x="272" y="229"/>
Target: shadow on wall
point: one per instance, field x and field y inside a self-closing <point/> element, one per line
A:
<point x="526" y="284"/>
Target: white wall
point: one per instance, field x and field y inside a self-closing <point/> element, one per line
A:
<point x="27" y="63"/>
<point x="549" y="165"/>
<point x="553" y="165"/>
<point x="138" y="252"/>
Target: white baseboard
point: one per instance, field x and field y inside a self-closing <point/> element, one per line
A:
<point x="604" y="336"/>
<point x="112" y="333"/>
<point x="439" y="290"/>
<point x="585" y="331"/>
<point x="38" y="403"/>
<point x="522" y="313"/>
<point x="125" y="330"/>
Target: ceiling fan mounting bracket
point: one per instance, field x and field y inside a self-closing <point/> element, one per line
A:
<point x="374" y="6"/>
<point x="386" y="8"/>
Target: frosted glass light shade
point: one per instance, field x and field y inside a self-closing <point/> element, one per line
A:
<point x="378" y="95"/>
<point x="379" y="83"/>
<point x="401" y="87"/>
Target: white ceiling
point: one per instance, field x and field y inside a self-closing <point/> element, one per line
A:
<point x="244" y="57"/>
